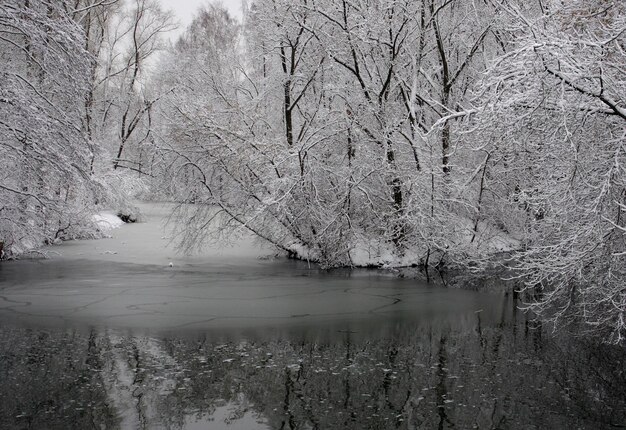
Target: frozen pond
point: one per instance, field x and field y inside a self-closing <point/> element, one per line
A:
<point x="108" y="334"/>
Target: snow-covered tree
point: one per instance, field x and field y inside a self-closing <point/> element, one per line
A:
<point x="556" y="102"/>
<point x="45" y="188"/>
<point x="142" y="34"/>
<point x="330" y="125"/>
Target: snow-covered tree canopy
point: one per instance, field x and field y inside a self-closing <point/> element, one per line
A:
<point x="556" y="100"/>
<point x="44" y="152"/>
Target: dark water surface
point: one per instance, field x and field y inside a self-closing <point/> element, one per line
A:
<point x="228" y="341"/>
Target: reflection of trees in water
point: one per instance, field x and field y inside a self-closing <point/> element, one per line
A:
<point x="52" y="380"/>
<point x="485" y="376"/>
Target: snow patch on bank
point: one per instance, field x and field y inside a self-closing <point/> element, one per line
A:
<point x="463" y="241"/>
<point x="107" y="221"/>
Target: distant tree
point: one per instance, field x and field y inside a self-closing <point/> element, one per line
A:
<point x="124" y="38"/>
<point x="96" y="19"/>
<point x="202" y="118"/>
<point x="142" y="35"/>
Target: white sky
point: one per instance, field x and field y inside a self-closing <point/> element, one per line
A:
<point x="186" y="9"/>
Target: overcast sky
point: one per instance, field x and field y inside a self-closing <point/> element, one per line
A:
<point x="185" y="9"/>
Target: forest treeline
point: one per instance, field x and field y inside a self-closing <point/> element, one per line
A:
<point x="349" y="133"/>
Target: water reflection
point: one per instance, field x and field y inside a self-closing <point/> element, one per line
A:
<point x="463" y="374"/>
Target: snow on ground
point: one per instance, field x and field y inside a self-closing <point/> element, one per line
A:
<point x="107" y="221"/>
<point x="487" y="240"/>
